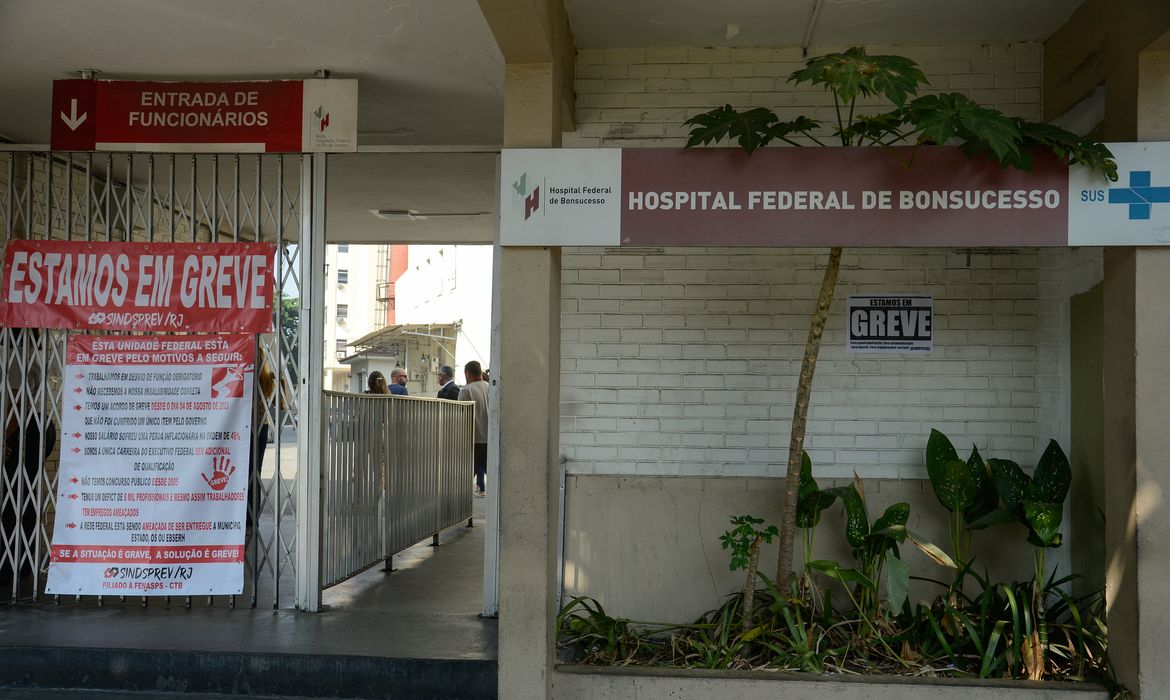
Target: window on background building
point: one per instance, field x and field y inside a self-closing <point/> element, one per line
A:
<point x="342" y="247"/>
<point x="342" y="311"/>
<point x="342" y="275"/>
<point x="341" y="343"/>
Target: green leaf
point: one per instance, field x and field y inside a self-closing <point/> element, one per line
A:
<point x="897" y="581"/>
<point x="1071" y="147"/>
<point x="807" y="514"/>
<point x="854" y="73"/>
<point x="800" y="125"/>
<point x="995" y="517"/>
<point x="955" y="487"/>
<point x="887" y="536"/>
<point x="832" y="569"/>
<point x="939" y="452"/>
<point x="876" y="128"/>
<point x="987" y="499"/>
<point x="1053" y="476"/>
<point x="856" y="521"/>
<point x="897" y="514"/>
<point x="931" y="550"/>
<point x="989" y="129"/>
<point x="1044" y="519"/>
<point x="750" y="128"/>
<point x="990" y="662"/>
<point x="942" y="118"/>
<point x="1011" y="483"/>
<point x="753" y="633"/>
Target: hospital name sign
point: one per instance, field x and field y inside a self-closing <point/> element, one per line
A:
<point x="907" y="196"/>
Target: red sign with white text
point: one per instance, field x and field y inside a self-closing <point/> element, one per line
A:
<point x="138" y="286"/>
<point x="253" y="116"/>
<point x="839" y="196"/>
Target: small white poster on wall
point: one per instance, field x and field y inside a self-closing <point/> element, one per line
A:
<point x="891" y="323"/>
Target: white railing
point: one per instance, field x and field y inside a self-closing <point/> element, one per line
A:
<point x="395" y="470"/>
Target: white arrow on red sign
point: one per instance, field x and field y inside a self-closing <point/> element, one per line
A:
<point x="73" y="120"/>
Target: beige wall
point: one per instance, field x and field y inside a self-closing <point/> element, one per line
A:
<point x="648" y="547"/>
<point x="1086" y="528"/>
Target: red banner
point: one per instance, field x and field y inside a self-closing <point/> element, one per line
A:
<point x="147" y="554"/>
<point x="138" y="286"/>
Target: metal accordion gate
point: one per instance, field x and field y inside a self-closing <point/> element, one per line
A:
<point x="156" y="198"/>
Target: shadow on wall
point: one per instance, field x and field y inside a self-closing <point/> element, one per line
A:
<point x="648" y="548"/>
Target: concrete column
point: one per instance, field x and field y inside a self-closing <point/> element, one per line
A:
<point x="1137" y="442"/>
<point x="527" y="378"/>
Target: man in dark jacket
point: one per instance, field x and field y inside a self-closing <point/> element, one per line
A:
<point x="448" y="389"/>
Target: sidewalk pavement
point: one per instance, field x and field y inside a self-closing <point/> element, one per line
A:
<point x="417" y="629"/>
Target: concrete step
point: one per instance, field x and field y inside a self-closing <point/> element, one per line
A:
<point x="245" y="674"/>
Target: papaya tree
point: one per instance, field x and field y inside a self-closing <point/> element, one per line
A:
<point x="941" y="119"/>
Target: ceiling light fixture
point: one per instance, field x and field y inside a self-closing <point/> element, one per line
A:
<point x="397" y="214"/>
<point x="412" y="215"/>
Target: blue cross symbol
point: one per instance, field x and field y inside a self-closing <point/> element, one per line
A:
<point x="1139" y="195"/>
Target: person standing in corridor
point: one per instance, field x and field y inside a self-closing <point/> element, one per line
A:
<point x="398" y="382"/>
<point x="476" y="390"/>
<point x="376" y="384"/>
<point x="448" y="389"/>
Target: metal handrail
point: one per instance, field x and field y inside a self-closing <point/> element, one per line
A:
<point x="395" y="470"/>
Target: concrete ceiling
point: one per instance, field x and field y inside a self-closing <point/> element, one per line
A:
<point x="429" y="70"/>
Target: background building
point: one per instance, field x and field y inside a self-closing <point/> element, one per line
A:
<point x="415" y="306"/>
<point x="356" y="279"/>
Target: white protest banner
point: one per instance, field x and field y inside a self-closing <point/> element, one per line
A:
<point x="891" y="323"/>
<point x="152" y="492"/>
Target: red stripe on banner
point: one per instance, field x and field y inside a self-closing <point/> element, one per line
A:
<point x="138" y="286"/>
<point x="225" y="349"/>
<point x="146" y="554"/>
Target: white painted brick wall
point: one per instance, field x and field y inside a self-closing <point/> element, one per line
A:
<point x="684" y="361"/>
<point x="692" y="370"/>
<point x="641" y="97"/>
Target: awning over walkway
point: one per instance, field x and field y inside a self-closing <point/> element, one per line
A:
<point x="390" y="340"/>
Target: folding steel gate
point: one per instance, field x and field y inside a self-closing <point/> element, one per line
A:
<point x="171" y="198"/>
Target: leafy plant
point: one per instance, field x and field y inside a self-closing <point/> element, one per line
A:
<point x="811" y="502"/>
<point x="938" y="119"/>
<point x="954" y="636"/>
<point x="963" y="488"/>
<point x="1024" y="629"/>
<point x="744" y="541"/>
<point x="1037" y="502"/>
<point x="600" y="638"/>
<point x="875" y="548"/>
